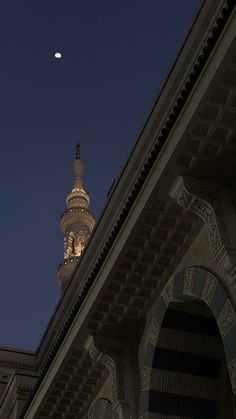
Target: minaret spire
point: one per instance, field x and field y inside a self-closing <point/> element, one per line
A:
<point x="77" y="155"/>
<point x="77" y="222"/>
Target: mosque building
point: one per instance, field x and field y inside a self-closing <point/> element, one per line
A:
<point x="145" y="326"/>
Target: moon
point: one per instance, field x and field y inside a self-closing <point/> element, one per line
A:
<point x="57" y="55"/>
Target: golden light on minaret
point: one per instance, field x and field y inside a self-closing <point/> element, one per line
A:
<point x="77" y="222"/>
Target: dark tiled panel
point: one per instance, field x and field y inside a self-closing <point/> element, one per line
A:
<point x="170" y="360"/>
<point x="182" y="406"/>
<point x="192" y="323"/>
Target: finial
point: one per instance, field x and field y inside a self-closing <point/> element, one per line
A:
<point x="77" y="151"/>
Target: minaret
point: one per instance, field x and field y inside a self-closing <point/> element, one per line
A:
<point x="77" y="222"/>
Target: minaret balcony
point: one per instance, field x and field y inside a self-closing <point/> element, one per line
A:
<point x="78" y="193"/>
<point x="68" y="261"/>
<point x="77" y="215"/>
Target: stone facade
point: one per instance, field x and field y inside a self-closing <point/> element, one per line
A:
<point x="146" y="325"/>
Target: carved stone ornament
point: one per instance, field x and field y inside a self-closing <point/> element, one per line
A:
<point x="207" y="214"/>
<point x="208" y="288"/>
<point x="146" y="375"/>
<point x="189" y="274"/>
<point x="112" y="357"/>
<point x="153" y="332"/>
<point x="116" y="354"/>
<point x="232" y="373"/>
<point x="168" y="292"/>
<point x="94" y="353"/>
<point x="212" y="203"/>
<point x="226" y="318"/>
<point x="104" y="359"/>
<point x="184" y="198"/>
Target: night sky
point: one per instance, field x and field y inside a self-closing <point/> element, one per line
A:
<point x="115" y="56"/>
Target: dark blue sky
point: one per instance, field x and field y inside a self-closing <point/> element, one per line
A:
<point x="116" y="53"/>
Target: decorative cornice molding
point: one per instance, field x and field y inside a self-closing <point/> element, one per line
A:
<point x="19" y="359"/>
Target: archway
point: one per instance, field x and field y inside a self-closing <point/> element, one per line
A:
<point x="190" y="351"/>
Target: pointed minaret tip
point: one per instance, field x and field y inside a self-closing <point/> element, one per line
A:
<point x="77" y="156"/>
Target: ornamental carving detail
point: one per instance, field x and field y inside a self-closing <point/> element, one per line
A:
<point x="206" y="201"/>
<point x="209" y="288"/>
<point x="189" y="274"/>
<point x="116" y="356"/>
<point x="206" y="212"/>
<point x="146" y="375"/>
<point x="168" y="292"/>
<point x="216" y="203"/>
<point x="153" y="332"/>
<point x="184" y="198"/>
<point x="226" y="318"/>
<point x="94" y="353"/>
<point x="108" y="362"/>
<point x="232" y="373"/>
<point x="103" y="358"/>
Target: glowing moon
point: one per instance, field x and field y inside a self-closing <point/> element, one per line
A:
<point x="57" y="55"/>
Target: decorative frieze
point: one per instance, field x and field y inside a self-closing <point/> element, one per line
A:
<point x="207" y="214"/>
<point x="146" y="375"/>
<point x="189" y="274"/>
<point x="208" y="288"/>
<point x="168" y="292"/>
<point x="213" y="204"/>
<point x="226" y="318"/>
<point x="153" y="332"/>
<point x="232" y="373"/>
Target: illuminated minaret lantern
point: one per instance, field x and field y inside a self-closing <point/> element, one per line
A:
<point x="77" y="222"/>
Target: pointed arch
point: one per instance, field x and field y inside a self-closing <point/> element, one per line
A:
<point x="194" y="286"/>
